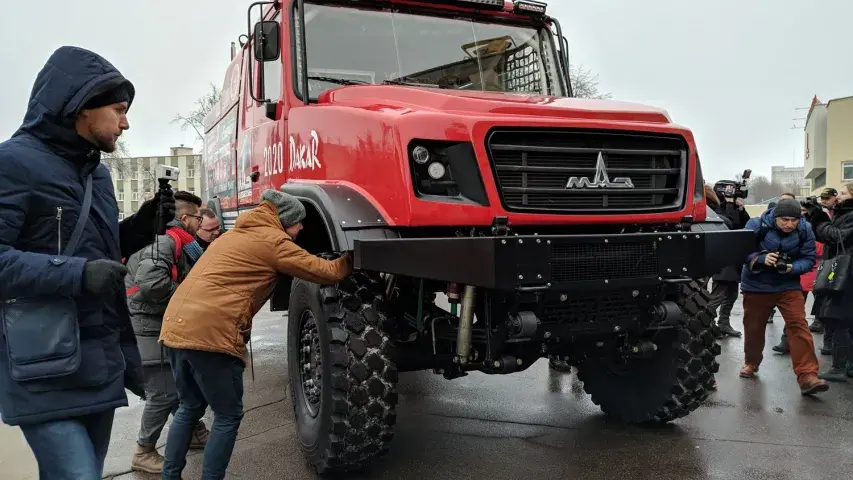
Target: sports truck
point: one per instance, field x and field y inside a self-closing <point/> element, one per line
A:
<point x="494" y="219"/>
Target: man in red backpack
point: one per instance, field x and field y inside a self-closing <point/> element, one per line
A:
<point x="153" y="275"/>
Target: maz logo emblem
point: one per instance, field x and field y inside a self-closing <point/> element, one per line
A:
<point x="601" y="179"/>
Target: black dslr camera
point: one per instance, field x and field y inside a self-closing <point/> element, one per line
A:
<point x="733" y="188"/>
<point x="783" y="262"/>
<point x="810" y="201"/>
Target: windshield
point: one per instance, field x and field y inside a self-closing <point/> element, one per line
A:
<point x="349" y="46"/>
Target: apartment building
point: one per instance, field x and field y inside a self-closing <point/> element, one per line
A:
<point x="828" y="144"/>
<point x="793" y="178"/>
<point x="135" y="179"/>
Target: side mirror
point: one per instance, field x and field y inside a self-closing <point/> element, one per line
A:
<point x="267" y="41"/>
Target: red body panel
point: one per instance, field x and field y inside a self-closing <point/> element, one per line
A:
<point x="358" y="135"/>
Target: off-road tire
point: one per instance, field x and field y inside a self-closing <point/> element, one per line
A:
<point x="670" y="385"/>
<point x="354" y="422"/>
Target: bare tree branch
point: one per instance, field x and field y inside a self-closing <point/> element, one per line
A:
<point x="585" y="84"/>
<point x="195" y="118"/>
<point x="762" y="189"/>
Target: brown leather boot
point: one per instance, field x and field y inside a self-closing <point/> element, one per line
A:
<point x="748" y="371"/>
<point x="147" y="459"/>
<point x="811" y="384"/>
<point x="200" y="436"/>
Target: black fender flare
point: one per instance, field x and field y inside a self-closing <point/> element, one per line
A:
<point x="347" y="214"/>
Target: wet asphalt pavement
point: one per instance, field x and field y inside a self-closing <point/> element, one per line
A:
<point x="540" y="424"/>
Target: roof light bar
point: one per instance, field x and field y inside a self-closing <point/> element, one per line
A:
<point x="499" y="4"/>
<point x="530" y="6"/>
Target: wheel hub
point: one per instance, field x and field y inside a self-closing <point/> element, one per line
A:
<point x="310" y="363"/>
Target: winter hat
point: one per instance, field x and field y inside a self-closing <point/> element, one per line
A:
<point x="787" y="207"/>
<point x="121" y="93"/>
<point x="290" y="210"/>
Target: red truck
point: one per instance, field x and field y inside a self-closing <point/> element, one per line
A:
<point x="494" y="219"/>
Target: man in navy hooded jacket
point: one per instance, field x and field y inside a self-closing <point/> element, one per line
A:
<point x="771" y="278"/>
<point x="77" y="109"/>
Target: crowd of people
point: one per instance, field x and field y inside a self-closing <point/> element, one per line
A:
<point x="800" y="246"/>
<point x="126" y="302"/>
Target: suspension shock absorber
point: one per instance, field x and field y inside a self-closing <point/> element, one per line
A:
<point x="466" y="321"/>
<point x="453" y="297"/>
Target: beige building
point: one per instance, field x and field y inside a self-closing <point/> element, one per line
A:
<point x="829" y="144"/>
<point x="135" y="179"/>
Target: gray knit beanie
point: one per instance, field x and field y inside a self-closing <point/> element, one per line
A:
<point x="290" y="210"/>
<point x="787" y="207"/>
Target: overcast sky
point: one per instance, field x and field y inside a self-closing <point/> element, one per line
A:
<point x="733" y="71"/>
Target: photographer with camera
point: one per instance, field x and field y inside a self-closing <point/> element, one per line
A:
<point x="771" y="278"/>
<point x="835" y="304"/>
<point x="806" y="282"/>
<point x="724" y="292"/>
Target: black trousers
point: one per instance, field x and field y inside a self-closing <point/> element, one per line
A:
<point x="723" y="296"/>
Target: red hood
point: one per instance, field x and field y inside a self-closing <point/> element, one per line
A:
<point x="397" y="98"/>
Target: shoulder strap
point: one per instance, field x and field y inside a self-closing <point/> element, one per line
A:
<point x="179" y="246"/>
<point x="81" y="220"/>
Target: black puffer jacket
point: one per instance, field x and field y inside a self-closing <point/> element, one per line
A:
<point x="837" y="237"/>
<point x="735" y="219"/>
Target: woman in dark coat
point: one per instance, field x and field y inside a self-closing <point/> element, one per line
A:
<point x="836" y="311"/>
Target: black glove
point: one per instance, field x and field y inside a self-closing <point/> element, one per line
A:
<point x="815" y="214"/>
<point x="811" y="207"/>
<point x="102" y="277"/>
<point x="164" y="203"/>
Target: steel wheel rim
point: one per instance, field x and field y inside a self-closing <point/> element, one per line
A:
<point x="310" y="363"/>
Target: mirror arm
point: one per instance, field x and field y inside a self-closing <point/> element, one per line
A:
<point x="303" y="52"/>
<point x="252" y="46"/>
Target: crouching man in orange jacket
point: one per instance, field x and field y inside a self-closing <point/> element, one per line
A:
<point x="209" y="320"/>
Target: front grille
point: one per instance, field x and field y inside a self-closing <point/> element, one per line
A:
<point x="585" y="261"/>
<point x="592" y="309"/>
<point x="533" y="169"/>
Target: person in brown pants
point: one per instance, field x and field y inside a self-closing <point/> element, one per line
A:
<point x="771" y="278"/>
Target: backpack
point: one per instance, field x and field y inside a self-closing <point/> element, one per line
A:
<point x="174" y="274"/>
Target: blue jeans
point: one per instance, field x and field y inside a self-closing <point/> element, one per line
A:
<point x="72" y="449"/>
<point x="202" y="379"/>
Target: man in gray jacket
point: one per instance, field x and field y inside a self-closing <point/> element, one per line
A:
<point x="153" y="275"/>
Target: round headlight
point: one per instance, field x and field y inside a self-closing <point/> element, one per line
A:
<point x="420" y="154"/>
<point x="436" y="170"/>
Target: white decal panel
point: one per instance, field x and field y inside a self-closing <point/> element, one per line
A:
<point x="304" y="157"/>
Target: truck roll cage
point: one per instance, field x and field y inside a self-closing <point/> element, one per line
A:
<point x="265" y="39"/>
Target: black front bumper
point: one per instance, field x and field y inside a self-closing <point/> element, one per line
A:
<point x="559" y="262"/>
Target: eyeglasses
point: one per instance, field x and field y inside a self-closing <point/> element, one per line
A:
<point x="199" y="218"/>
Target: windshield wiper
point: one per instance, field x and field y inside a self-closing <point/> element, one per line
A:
<point x="339" y="81"/>
<point x="414" y="84"/>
